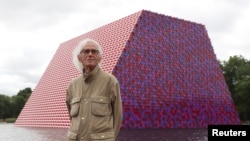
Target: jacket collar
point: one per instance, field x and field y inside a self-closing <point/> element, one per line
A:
<point x="91" y="76"/>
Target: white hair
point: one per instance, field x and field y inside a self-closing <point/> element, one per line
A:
<point x="78" y="50"/>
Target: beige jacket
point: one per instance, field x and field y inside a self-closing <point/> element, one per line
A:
<point x="94" y="106"/>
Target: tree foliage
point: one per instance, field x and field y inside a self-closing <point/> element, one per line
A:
<point x="237" y="75"/>
<point x="5" y="107"/>
<point x="25" y="93"/>
<point x="18" y="104"/>
<point x="10" y="107"/>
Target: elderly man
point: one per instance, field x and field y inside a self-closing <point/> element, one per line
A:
<point x="93" y="98"/>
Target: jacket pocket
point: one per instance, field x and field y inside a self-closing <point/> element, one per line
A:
<point x="75" y="105"/>
<point x="100" y="106"/>
<point x="71" y="136"/>
<point x="108" y="136"/>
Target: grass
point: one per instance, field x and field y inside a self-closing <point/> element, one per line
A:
<point x="8" y="120"/>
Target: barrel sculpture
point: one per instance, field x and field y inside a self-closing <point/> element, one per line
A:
<point x="167" y="69"/>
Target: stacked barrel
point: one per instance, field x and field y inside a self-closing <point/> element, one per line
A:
<point x="166" y="67"/>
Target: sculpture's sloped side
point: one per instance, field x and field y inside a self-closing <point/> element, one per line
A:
<point x="170" y="77"/>
<point x="46" y="106"/>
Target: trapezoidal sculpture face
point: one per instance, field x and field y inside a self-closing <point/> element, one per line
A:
<point x="166" y="67"/>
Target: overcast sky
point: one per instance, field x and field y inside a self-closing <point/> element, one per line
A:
<point x="31" y="30"/>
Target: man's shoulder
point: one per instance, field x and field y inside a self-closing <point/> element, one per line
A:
<point x="108" y="75"/>
<point x="77" y="78"/>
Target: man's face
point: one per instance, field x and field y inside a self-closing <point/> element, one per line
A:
<point x="89" y="55"/>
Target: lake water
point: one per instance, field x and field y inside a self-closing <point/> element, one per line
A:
<point x="10" y="132"/>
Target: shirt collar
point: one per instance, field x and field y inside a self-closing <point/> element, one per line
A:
<point x="91" y="75"/>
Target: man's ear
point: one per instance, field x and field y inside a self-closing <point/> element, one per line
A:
<point x="100" y="58"/>
<point x="79" y="58"/>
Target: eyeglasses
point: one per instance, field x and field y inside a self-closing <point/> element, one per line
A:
<point x="87" y="51"/>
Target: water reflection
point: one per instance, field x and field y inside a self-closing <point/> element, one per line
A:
<point x="163" y="135"/>
<point x="10" y="132"/>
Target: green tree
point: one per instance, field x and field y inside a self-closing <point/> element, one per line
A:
<point x="19" y="100"/>
<point x="237" y="75"/>
<point x="25" y="93"/>
<point x="10" y="107"/>
<point x="5" y="107"/>
<point x="18" y="104"/>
